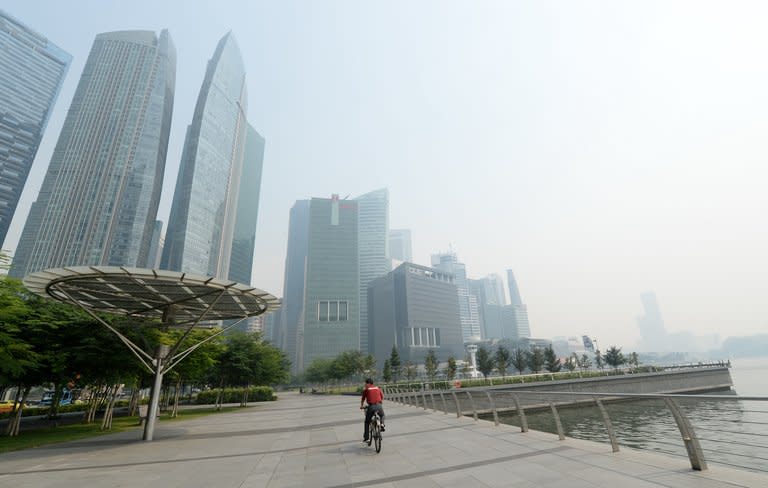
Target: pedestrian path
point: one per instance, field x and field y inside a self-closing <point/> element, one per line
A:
<point x="314" y="441"/>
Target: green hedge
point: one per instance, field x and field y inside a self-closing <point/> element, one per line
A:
<point x="73" y="407"/>
<point x="235" y="395"/>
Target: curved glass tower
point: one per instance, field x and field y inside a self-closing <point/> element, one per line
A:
<point x="202" y="221"/>
<point x="99" y="198"/>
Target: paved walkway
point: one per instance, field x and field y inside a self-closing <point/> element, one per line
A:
<point x="314" y="441"/>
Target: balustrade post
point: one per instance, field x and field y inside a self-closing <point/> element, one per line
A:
<point x="424" y="398"/>
<point x="695" y="454"/>
<point x="558" y="424"/>
<point x="432" y="396"/>
<point x="472" y="403"/>
<point x="493" y="408"/>
<point x="458" y="405"/>
<point x="521" y="413"/>
<point x="608" y="425"/>
<point x="445" y="405"/>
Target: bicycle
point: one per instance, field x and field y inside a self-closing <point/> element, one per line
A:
<point x="374" y="432"/>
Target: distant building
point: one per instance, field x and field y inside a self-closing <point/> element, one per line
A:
<point x="515" y="316"/>
<point x="490" y="300"/>
<point x="652" y="331"/>
<point x="400" y="245"/>
<point x="415" y="309"/>
<point x="32" y="70"/>
<point x="286" y="336"/>
<point x="468" y="309"/>
<point x="373" y="249"/>
<point x="203" y="215"/>
<point x="98" y="201"/>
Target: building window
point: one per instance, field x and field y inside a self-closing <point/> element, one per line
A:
<point x="333" y="311"/>
<point x="423" y="337"/>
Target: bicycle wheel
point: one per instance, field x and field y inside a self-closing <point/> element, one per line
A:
<point x="377" y="434"/>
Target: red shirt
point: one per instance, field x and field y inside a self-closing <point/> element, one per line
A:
<point x="373" y="394"/>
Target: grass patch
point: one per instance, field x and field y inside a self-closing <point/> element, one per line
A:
<point x="38" y="437"/>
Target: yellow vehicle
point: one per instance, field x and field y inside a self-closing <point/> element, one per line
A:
<point x="6" y="406"/>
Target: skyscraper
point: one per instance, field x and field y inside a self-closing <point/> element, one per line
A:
<point x="32" y="70"/>
<point x="515" y="316"/>
<point x="652" y="330"/>
<point x="400" y="245"/>
<point x="99" y="198"/>
<point x="373" y="243"/>
<point x="291" y="312"/>
<point x="203" y="212"/>
<point x="468" y="311"/>
<point x="490" y="300"/>
<point x="244" y="238"/>
<point x="331" y="312"/>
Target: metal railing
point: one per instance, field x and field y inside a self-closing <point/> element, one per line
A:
<point x="726" y="429"/>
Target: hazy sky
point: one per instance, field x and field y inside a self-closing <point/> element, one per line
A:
<point x="599" y="149"/>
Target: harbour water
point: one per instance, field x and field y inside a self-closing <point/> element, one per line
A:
<point x="731" y="432"/>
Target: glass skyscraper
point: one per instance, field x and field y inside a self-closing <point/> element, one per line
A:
<point x="203" y="212"/>
<point x="32" y="70"/>
<point x="373" y="249"/>
<point x="244" y="239"/>
<point x="99" y="198"/>
<point x="468" y="311"/>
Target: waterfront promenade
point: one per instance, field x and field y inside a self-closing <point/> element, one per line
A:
<point x="314" y="441"/>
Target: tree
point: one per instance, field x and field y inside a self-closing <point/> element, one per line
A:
<point x="387" y="373"/>
<point x="584" y="362"/>
<point x="551" y="361"/>
<point x="451" y="368"/>
<point x="410" y="370"/>
<point x="319" y="370"/>
<point x="536" y="360"/>
<point x="633" y="360"/>
<point x="430" y="365"/>
<point x="394" y="363"/>
<point x="572" y="362"/>
<point x="502" y="360"/>
<point x="519" y="360"/>
<point x="484" y="361"/>
<point x="614" y="357"/>
<point x="369" y="366"/>
<point x="599" y="359"/>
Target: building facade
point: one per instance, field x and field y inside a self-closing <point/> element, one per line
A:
<point x="244" y="237"/>
<point x="373" y="252"/>
<point x="468" y="310"/>
<point x="32" y="70"/>
<point x="400" y="245"/>
<point x="98" y="201"/>
<point x="203" y="212"/>
<point x="291" y="318"/>
<point x="515" y="316"/>
<point x="330" y="321"/>
<point x="414" y="309"/>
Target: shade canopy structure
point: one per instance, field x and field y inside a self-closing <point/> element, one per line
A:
<point x="176" y="299"/>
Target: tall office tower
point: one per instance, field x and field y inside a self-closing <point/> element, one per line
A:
<point x="470" y="319"/>
<point x="515" y="316"/>
<point x="203" y="212"/>
<point x="490" y="300"/>
<point x="99" y="198"/>
<point x="653" y="333"/>
<point x="32" y="70"/>
<point x="415" y="309"/>
<point x="373" y="253"/>
<point x="331" y="314"/>
<point x="400" y="245"/>
<point x="291" y="311"/>
<point x="244" y="238"/>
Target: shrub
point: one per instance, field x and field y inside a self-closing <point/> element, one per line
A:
<point x="235" y="395"/>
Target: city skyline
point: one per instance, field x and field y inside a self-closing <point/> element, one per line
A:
<point x="602" y="151"/>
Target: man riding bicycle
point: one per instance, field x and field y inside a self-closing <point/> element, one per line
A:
<point x="373" y="395"/>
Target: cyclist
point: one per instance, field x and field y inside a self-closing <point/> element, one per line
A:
<point x="373" y="395"/>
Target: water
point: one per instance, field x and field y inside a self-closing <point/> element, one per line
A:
<point x="731" y="432"/>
